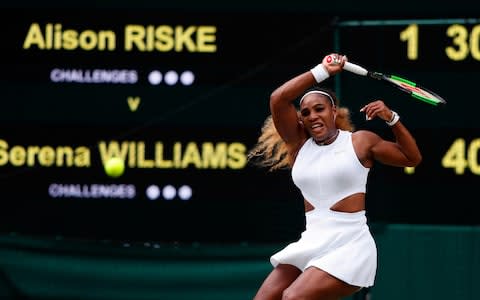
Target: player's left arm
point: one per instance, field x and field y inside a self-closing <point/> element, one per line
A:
<point x="403" y="152"/>
<point x="370" y="147"/>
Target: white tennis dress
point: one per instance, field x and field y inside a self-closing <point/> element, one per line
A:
<point x="339" y="243"/>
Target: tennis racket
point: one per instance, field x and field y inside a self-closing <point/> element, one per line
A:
<point x="412" y="88"/>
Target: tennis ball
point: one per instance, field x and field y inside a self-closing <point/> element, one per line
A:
<point x="114" y="167"/>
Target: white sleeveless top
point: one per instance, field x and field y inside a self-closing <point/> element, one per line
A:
<point x="325" y="174"/>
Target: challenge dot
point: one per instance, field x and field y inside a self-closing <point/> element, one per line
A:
<point x="185" y="192"/>
<point x="187" y="78"/>
<point x="171" y="77"/>
<point x="155" y="77"/>
<point x="153" y="192"/>
<point x="169" y="192"/>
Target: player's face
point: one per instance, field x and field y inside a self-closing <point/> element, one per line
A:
<point x="318" y="116"/>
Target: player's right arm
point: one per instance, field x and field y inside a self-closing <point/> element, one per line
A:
<point x="284" y="112"/>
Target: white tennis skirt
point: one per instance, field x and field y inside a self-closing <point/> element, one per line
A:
<point x="338" y="243"/>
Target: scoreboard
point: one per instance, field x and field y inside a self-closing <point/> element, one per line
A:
<point x="444" y="56"/>
<point x="181" y="96"/>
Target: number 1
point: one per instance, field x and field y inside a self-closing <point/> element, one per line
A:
<point x="410" y="35"/>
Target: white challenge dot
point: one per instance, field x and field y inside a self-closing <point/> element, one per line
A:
<point x="153" y="192"/>
<point x="187" y="78"/>
<point x="169" y="192"/>
<point x="185" y="192"/>
<point x="155" y="77"/>
<point x="171" y="77"/>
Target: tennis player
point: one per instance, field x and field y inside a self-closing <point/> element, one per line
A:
<point x="336" y="255"/>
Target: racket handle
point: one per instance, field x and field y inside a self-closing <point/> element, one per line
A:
<point x="351" y="67"/>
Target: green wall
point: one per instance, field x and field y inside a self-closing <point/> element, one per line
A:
<point x="415" y="262"/>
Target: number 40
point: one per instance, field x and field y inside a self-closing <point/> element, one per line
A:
<point x="455" y="156"/>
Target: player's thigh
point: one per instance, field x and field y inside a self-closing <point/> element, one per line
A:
<point x="277" y="281"/>
<point x="315" y="283"/>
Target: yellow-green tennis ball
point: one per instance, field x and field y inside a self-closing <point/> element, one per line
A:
<point x="114" y="167"/>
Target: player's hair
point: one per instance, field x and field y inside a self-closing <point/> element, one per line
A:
<point x="271" y="152"/>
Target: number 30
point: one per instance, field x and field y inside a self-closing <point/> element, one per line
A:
<point x="464" y="42"/>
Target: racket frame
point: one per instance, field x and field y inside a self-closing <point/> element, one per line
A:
<point x="409" y="87"/>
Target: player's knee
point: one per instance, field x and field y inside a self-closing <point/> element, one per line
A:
<point x="267" y="293"/>
<point x="292" y="294"/>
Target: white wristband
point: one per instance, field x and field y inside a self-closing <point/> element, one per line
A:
<point x="394" y="119"/>
<point x="320" y="73"/>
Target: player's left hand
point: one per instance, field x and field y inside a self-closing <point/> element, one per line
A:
<point x="377" y="108"/>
